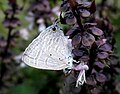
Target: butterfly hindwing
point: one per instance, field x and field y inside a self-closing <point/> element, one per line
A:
<point x="48" y="51"/>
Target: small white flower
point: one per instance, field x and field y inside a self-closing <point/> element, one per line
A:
<point x="81" y="77"/>
<point x="24" y="33"/>
<point x="18" y="60"/>
<point x="41" y="27"/>
<point x="56" y="10"/>
<point x="41" y="20"/>
<point x="30" y="18"/>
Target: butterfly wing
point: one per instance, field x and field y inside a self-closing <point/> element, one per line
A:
<point x="48" y="51"/>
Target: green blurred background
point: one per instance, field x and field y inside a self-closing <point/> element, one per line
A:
<point x="27" y="80"/>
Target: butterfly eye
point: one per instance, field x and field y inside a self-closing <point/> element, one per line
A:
<point x="53" y="28"/>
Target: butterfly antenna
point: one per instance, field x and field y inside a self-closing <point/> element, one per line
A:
<point x="57" y="21"/>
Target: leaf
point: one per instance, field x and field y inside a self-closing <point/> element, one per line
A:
<point x="116" y="20"/>
<point x="91" y="81"/>
<point x="3" y="42"/>
<point x="99" y="64"/>
<point x="78" y="52"/>
<point x="93" y="7"/>
<point x="96" y="91"/>
<point x="117" y="37"/>
<point x="100" y="77"/>
<point x="65" y="7"/>
<point x="84" y="58"/>
<point x="14" y="22"/>
<point x="88" y="39"/>
<point x="84" y="13"/>
<point x="105" y="47"/>
<point x="102" y="55"/>
<point x="76" y="39"/>
<point x="72" y="31"/>
<point x="62" y="20"/>
<point x="88" y="25"/>
<point x="70" y="18"/>
<point x="96" y="31"/>
<point x="24" y="88"/>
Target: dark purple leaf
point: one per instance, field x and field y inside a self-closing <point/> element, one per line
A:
<point x="101" y="77"/>
<point x="86" y="4"/>
<point x="93" y="7"/>
<point x="70" y="18"/>
<point x="16" y="34"/>
<point x="3" y="42"/>
<point x="78" y="52"/>
<point x="94" y="71"/>
<point x="73" y="4"/>
<point x="71" y="21"/>
<point x="91" y="81"/>
<point x="117" y="87"/>
<point x="84" y="13"/>
<point x="100" y="42"/>
<point x="9" y="11"/>
<point x="99" y="64"/>
<point x="105" y="47"/>
<point x="88" y="39"/>
<point x="65" y="7"/>
<point x="70" y="79"/>
<point x="118" y="70"/>
<point x="62" y="20"/>
<point x="96" y="91"/>
<point x="102" y="55"/>
<point x="73" y="31"/>
<point x="11" y="22"/>
<point x="88" y="25"/>
<point x="76" y="39"/>
<point x="12" y="2"/>
<point x="96" y="31"/>
<point x="84" y="58"/>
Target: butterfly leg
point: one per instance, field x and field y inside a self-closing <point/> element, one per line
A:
<point x="69" y="67"/>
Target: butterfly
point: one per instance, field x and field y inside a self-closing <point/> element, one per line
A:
<point x="51" y="50"/>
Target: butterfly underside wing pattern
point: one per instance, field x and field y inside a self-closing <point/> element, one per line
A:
<point x="50" y="50"/>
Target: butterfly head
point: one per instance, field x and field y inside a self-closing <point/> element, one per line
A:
<point x="55" y="28"/>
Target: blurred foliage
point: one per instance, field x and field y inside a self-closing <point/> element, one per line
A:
<point x="36" y="82"/>
<point x="28" y="80"/>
